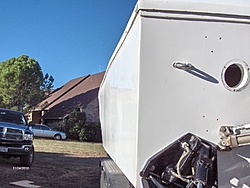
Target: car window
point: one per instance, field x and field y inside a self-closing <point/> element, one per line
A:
<point x="12" y="117"/>
<point x="23" y="120"/>
<point x="36" y="127"/>
<point x="45" y="128"/>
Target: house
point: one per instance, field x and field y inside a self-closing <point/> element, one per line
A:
<point x="77" y="94"/>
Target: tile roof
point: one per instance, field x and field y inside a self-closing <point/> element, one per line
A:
<point x="77" y="93"/>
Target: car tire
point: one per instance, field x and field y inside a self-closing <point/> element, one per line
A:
<point x="27" y="160"/>
<point x="57" y="137"/>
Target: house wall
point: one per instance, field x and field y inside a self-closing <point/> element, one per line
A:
<point x="35" y="117"/>
<point x="92" y="111"/>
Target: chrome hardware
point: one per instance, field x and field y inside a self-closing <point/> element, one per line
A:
<point x="182" y="65"/>
<point x="234" y="136"/>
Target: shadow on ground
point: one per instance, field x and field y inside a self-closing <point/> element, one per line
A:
<point x="52" y="170"/>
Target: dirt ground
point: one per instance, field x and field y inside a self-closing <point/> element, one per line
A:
<point x="52" y="170"/>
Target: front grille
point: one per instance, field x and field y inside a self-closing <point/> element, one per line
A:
<point x="11" y="133"/>
<point x="14" y="131"/>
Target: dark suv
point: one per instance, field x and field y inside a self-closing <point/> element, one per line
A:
<point x="16" y="138"/>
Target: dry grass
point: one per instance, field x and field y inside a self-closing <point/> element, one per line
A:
<point x="57" y="164"/>
<point x="75" y="148"/>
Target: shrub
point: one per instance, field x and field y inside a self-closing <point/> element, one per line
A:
<point x="74" y="124"/>
<point x="77" y="128"/>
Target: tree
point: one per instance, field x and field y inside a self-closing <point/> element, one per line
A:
<point x="75" y="125"/>
<point x="47" y="84"/>
<point x="22" y="83"/>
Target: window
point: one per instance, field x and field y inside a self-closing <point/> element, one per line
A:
<point x="45" y="128"/>
<point x="36" y="127"/>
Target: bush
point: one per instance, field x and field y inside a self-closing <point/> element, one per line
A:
<point x="59" y="126"/>
<point x="75" y="124"/>
<point x="91" y="132"/>
<point x="76" y="127"/>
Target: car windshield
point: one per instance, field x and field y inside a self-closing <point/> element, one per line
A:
<point x="12" y="117"/>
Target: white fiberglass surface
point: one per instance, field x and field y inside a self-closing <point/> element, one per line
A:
<point x="119" y="106"/>
<point x="173" y="101"/>
<point x="239" y="7"/>
<point x="146" y="103"/>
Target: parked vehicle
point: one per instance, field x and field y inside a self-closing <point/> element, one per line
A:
<point x="175" y="98"/>
<point x="16" y="138"/>
<point x="41" y="130"/>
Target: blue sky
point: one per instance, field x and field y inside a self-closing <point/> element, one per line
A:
<point x="68" y="38"/>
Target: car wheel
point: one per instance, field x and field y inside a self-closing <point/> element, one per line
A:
<point x="27" y="160"/>
<point x="57" y="137"/>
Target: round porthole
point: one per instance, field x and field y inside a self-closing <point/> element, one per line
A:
<point x="235" y="75"/>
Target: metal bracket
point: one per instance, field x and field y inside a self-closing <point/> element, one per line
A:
<point x="234" y="136"/>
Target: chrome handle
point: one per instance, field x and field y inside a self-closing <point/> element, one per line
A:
<point x="182" y="65"/>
